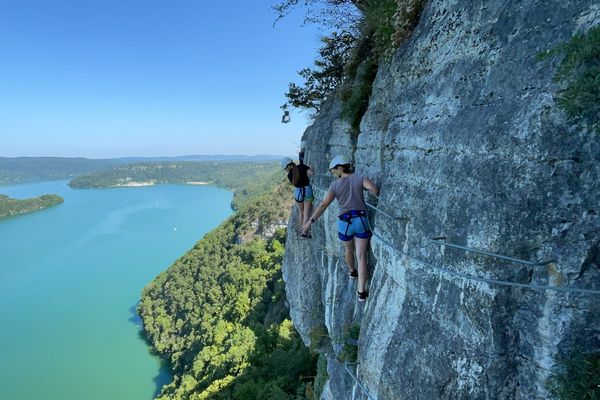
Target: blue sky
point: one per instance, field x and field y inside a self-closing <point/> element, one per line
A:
<point x="109" y="78"/>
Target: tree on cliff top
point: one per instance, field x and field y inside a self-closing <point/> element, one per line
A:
<point x="371" y="30"/>
<point x="332" y="14"/>
<point x="326" y="75"/>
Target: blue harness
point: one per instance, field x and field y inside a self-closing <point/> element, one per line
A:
<point x="350" y="215"/>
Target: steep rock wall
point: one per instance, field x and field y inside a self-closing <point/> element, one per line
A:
<point x="466" y="141"/>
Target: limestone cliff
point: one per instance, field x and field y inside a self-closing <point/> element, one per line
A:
<point x="465" y="139"/>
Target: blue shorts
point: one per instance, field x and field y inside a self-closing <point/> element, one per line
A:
<point x="354" y="223"/>
<point x="303" y="193"/>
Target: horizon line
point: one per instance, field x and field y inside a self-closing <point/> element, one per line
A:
<point x="142" y="157"/>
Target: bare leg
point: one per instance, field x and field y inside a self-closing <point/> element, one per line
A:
<point x="361" y="255"/>
<point x="349" y="254"/>
<point x="300" y="214"/>
<point x="307" y="207"/>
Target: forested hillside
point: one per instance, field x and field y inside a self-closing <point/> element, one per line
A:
<point x="33" y="169"/>
<point x="10" y="206"/>
<point x="218" y="314"/>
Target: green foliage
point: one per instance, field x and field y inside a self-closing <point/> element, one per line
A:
<point x="319" y="338"/>
<point x="349" y="351"/>
<point x="9" y="206"/>
<point x="277" y="368"/>
<point x="385" y="25"/>
<point x="258" y="211"/>
<point x="576" y="377"/>
<point x="218" y="315"/>
<point x="406" y="18"/>
<point x="321" y="377"/>
<point x="324" y="78"/>
<point x="355" y="98"/>
<point x="379" y="25"/>
<point x="333" y="14"/>
<point x="378" y="28"/>
<point x="580" y="70"/>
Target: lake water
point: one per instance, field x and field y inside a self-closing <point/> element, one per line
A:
<point x="70" y="278"/>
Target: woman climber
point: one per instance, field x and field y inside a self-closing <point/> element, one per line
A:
<point x="353" y="223"/>
<point x="303" y="193"/>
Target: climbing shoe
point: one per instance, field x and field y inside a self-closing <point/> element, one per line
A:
<point x="362" y="296"/>
<point x="353" y="274"/>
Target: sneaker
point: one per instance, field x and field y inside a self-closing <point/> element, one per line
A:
<point x="353" y="274"/>
<point x="362" y="296"/>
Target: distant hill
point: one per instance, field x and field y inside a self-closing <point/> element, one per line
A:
<point x="34" y="169"/>
<point x="244" y="178"/>
<point x="215" y="157"/>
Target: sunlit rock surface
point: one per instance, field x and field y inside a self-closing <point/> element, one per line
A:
<point x="466" y="141"/>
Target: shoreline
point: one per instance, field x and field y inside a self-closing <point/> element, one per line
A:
<point x="136" y="184"/>
<point x="151" y="183"/>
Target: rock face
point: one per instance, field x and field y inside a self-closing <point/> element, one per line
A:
<point x="465" y="139"/>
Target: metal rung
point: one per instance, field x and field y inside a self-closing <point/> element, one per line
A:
<point x="441" y="240"/>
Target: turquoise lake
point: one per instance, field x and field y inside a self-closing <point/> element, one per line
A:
<point x="71" y="276"/>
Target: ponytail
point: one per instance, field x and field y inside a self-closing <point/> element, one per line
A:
<point x="295" y="175"/>
<point x="347" y="168"/>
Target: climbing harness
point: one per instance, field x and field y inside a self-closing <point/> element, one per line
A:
<point x="348" y="217"/>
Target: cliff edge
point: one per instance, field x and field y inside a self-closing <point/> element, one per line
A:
<point x="465" y="139"/>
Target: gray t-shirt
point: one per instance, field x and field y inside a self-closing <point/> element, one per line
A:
<point x="349" y="193"/>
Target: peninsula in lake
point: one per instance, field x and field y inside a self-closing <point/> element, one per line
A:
<point x="10" y="206"/>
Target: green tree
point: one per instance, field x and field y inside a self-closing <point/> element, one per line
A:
<point x="576" y="377"/>
<point x="335" y="14"/>
<point x="580" y="71"/>
<point x="372" y="30"/>
<point x="327" y="74"/>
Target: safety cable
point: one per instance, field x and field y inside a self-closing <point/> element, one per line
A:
<point x="386" y="214"/>
<point x="362" y="387"/>
<point x="488" y="280"/>
<point x="438" y="240"/>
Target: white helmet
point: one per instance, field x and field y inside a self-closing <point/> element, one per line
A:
<point x="285" y="162"/>
<point x="338" y="160"/>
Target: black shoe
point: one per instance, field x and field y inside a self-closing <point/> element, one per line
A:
<point x="362" y="296"/>
<point x="353" y="274"/>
